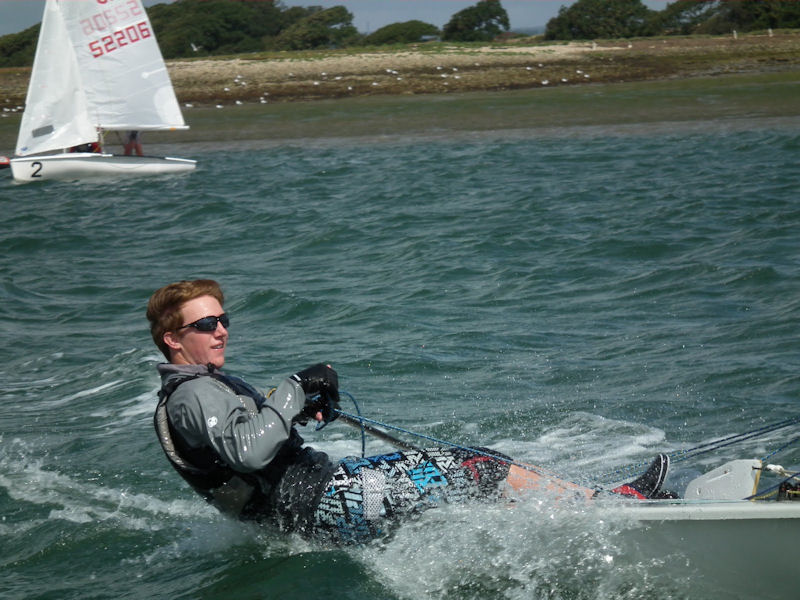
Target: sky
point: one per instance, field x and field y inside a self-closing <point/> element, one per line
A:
<point x="368" y="15"/>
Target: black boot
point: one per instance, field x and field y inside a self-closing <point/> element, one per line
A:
<point x="648" y="485"/>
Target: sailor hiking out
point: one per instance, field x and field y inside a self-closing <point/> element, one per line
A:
<point x="240" y="448"/>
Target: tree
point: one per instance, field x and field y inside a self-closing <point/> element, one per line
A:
<point x="684" y="16"/>
<point x="189" y="27"/>
<point x="590" y="19"/>
<point x="17" y="49"/>
<point x="332" y="27"/>
<point x="749" y="15"/>
<point x="401" y="33"/>
<point x="482" y="22"/>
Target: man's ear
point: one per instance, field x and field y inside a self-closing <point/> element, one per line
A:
<point x="171" y="340"/>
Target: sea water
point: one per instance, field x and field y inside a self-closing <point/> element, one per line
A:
<point x="582" y="298"/>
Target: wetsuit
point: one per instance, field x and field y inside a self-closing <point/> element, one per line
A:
<point x="239" y="450"/>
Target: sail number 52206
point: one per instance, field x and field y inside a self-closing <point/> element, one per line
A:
<point x="120" y="38"/>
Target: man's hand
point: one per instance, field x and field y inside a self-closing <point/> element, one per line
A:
<point x="321" y="386"/>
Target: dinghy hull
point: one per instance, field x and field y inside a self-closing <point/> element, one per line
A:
<point x="84" y="165"/>
<point x="733" y="549"/>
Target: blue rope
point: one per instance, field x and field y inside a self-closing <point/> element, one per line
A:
<point x="359" y="417"/>
<point x="528" y="467"/>
<point x="773" y="489"/>
<point x="632" y="469"/>
<point x="681" y="455"/>
<point x="781" y="449"/>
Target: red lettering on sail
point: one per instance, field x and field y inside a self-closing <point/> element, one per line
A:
<point x="123" y="37"/>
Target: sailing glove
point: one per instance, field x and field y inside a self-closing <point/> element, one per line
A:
<point x="321" y="385"/>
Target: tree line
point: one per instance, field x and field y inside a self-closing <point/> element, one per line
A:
<point x="604" y="19"/>
<point x="187" y="28"/>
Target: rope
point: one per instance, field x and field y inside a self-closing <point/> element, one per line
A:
<point x="681" y="455"/>
<point x="773" y="491"/>
<point x="616" y="475"/>
<point x="779" y="450"/>
<point x="528" y="467"/>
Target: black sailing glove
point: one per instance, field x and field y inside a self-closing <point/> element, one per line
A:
<point x="321" y="385"/>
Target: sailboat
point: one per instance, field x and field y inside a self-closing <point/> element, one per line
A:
<point x="98" y="68"/>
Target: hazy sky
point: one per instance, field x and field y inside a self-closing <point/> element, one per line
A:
<point x="368" y="15"/>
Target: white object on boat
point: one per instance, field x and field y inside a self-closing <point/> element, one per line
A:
<point x="735" y="480"/>
<point x="97" y="68"/>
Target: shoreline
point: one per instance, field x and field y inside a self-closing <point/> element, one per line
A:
<point x="435" y="68"/>
<point x="372" y="93"/>
<point x="441" y="68"/>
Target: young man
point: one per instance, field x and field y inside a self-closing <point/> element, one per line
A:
<point x="240" y="449"/>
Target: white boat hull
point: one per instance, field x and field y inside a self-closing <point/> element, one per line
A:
<point x="734" y="549"/>
<point x="84" y="165"/>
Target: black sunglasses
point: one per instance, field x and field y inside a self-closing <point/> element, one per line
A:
<point x="209" y="323"/>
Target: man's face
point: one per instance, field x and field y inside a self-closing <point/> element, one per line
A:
<point x="190" y="346"/>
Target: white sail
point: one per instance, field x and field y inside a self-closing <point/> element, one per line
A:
<point x="97" y="66"/>
<point x="124" y="76"/>
<point x="56" y="113"/>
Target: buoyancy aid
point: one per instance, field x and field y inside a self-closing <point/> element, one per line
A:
<point x="287" y="491"/>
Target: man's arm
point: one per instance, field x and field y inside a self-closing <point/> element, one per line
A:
<point x="206" y="412"/>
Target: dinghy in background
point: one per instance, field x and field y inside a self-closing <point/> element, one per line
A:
<point x="97" y="68"/>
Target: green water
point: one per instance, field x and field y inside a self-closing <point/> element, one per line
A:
<point x="577" y="295"/>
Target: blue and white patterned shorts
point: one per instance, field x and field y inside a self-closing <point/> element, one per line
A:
<point x="366" y="494"/>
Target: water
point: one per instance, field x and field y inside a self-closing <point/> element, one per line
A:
<point x="581" y="298"/>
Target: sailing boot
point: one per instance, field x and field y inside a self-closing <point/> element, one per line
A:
<point x="648" y="486"/>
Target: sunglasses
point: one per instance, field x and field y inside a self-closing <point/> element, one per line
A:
<point x="209" y="323"/>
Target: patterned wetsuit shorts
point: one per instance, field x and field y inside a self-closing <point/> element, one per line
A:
<point x="366" y="494"/>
